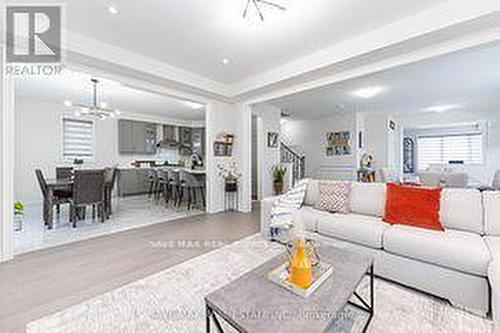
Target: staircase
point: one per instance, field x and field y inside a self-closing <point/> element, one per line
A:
<point x="297" y="161"/>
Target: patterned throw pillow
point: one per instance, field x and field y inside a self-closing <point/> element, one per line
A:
<point x="334" y="197"/>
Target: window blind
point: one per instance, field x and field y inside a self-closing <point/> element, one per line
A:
<point x="78" y="139"/>
<point x="444" y="149"/>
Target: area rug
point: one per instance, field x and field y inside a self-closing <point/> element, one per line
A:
<point x="172" y="301"/>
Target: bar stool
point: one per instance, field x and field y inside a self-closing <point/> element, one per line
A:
<point x="162" y="184"/>
<point x="153" y="183"/>
<point x="174" y="186"/>
<point x="190" y="183"/>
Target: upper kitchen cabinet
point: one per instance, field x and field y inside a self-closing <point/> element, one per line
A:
<point x="185" y="140"/>
<point x="136" y="137"/>
<point x="198" y="140"/>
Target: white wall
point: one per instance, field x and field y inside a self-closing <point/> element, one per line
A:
<point x="268" y="121"/>
<point x="383" y="143"/>
<point x="234" y="119"/>
<point x="482" y="174"/>
<point x="309" y="137"/>
<point x="38" y="144"/>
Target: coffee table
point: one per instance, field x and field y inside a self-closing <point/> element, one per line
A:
<point x="252" y="303"/>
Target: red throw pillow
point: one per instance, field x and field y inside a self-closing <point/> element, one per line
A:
<point x="413" y="206"/>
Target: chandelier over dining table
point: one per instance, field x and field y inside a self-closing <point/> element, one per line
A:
<point x="96" y="109"/>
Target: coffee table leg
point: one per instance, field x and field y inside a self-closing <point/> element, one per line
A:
<point x="210" y="314"/>
<point x="368" y="308"/>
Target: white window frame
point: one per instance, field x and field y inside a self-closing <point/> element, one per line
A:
<point x="86" y="159"/>
<point x="482" y="134"/>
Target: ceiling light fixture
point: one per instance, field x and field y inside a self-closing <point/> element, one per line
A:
<point x="259" y="5"/>
<point x="368" y="92"/>
<point x="97" y="109"/>
<point x="113" y="10"/>
<point x="443" y="107"/>
<point x="225" y="61"/>
<point x="68" y="103"/>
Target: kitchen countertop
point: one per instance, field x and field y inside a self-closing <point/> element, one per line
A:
<point x="175" y="168"/>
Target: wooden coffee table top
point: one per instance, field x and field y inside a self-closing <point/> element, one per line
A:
<point x="252" y="303"/>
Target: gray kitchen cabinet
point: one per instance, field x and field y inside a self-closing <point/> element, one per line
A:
<point x="136" y="137"/>
<point x="133" y="182"/>
<point x="125" y="137"/>
<point x="198" y="140"/>
<point x="185" y="139"/>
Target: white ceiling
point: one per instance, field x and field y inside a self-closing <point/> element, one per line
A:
<point x="470" y="78"/>
<point x="197" y="34"/>
<point x="77" y="88"/>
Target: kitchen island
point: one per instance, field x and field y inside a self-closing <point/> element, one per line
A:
<point x="135" y="181"/>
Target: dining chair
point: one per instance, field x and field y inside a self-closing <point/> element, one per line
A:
<point x="59" y="196"/>
<point x="88" y="190"/>
<point x="496" y="181"/>
<point x="109" y="184"/>
<point x="64" y="172"/>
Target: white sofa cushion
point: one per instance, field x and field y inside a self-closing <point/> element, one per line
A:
<point x="312" y="193"/>
<point x="493" y="244"/>
<point x="307" y="217"/>
<point x="459" y="250"/>
<point x="491" y="202"/>
<point x="360" y="229"/>
<point x="462" y="209"/>
<point x="368" y="198"/>
<point x="494" y="278"/>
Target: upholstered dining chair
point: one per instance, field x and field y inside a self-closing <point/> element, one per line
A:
<point x="64" y="172"/>
<point x="88" y="190"/>
<point x="59" y="196"/>
<point x="496" y="181"/>
<point x="109" y="184"/>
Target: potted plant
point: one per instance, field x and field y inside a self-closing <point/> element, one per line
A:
<point x="279" y="173"/>
<point x="230" y="175"/>
<point x="18" y="215"/>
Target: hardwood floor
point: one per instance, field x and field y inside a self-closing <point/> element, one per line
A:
<point x="39" y="283"/>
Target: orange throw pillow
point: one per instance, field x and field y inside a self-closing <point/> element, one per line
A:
<point x="413" y="206"/>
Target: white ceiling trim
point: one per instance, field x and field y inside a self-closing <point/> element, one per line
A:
<point x="427" y="23"/>
<point x="435" y="19"/>
<point x="110" y="53"/>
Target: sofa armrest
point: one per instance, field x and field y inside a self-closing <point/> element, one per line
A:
<point x="266" y="206"/>
<point x="494" y="277"/>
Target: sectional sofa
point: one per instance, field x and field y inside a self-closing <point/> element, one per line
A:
<point x="461" y="264"/>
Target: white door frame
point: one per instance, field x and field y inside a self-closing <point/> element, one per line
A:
<point x="7" y="156"/>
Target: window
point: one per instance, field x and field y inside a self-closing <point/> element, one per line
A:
<point x="443" y="149"/>
<point x="78" y="139"/>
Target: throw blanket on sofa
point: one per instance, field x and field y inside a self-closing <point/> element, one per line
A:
<point x="284" y="207"/>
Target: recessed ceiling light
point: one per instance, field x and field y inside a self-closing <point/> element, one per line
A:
<point x="368" y="92"/>
<point x="68" y="103"/>
<point x="193" y="105"/>
<point x="113" y="10"/>
<point x="225" y="61"/>
<point x="104" y="105"/>
<point x="443" y="107"/>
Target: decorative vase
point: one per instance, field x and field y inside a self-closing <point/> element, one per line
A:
<point x="301" y="271"/>
<point x="18" y="222"/>
<point x="278" y="187"/>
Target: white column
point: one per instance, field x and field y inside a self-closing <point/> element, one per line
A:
<point x="6" y="161"/>
<point x="232" y="119"/>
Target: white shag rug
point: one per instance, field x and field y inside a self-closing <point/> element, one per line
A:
<point x="172" y="301"/>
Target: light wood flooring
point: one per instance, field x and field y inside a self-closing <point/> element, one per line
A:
<point x="42" y="282"/>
